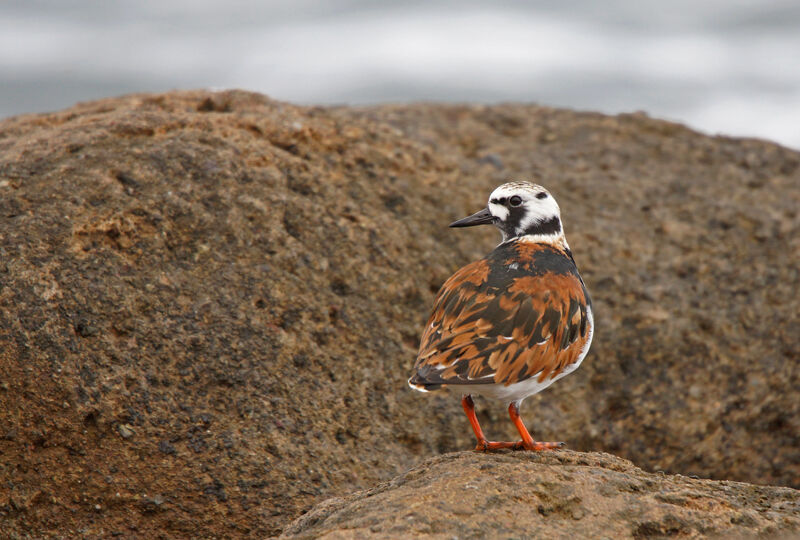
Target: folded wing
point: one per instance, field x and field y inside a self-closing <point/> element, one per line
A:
<point x="485" y="331"/>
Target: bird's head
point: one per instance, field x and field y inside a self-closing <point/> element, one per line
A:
<point x="520" y="210"/>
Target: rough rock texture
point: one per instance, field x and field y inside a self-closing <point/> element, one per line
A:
<point x="209" y="303"/>
<point x="551" y="495"/>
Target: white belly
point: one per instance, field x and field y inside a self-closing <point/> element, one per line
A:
<point x="511" y="393"/>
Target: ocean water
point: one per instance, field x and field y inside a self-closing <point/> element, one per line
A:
<point x="730" y="67"/>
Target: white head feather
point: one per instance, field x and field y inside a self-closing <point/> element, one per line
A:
<point x="526" y="211"/>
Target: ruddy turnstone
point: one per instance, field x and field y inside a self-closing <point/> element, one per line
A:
<point x="511" y="324"/>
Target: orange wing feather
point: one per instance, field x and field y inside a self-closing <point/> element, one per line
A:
<point x="519" y="313"/>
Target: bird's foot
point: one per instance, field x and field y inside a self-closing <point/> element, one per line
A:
<point x="533" y="446"/>
<point x="488" y="446"/>
<point x="537" y="446"/>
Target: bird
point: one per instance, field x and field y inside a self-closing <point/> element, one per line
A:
<point x="511" y="324"/>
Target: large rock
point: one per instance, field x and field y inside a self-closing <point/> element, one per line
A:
<point x="209" y="303"/>
<point x="551" y="495"/>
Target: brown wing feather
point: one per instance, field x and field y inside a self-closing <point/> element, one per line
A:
<point x="466" y="340"/>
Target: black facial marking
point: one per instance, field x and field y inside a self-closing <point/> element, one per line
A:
<point x="510" y="226"/>
<point x="551" y="226"/>
<point x="541" y="195"/>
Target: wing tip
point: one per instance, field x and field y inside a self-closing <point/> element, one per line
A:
<point x="418" y="384"/>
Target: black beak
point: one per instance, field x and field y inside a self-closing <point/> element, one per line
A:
<point x="484" y="217"/>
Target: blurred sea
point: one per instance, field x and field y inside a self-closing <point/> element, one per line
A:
<point x="722" y="66"/>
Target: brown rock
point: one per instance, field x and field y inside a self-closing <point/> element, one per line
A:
<point x="551" y="495"/>
<point x="243" y="282"/>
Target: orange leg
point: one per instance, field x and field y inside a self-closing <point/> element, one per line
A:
<point x="483" y="444"/>
<point x="527" y="441"/>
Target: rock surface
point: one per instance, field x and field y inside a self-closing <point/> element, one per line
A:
<point x="551" y="495"/>
<point x="210" y="302"/>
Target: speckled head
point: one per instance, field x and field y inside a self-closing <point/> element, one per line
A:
<point x="521" y="210"/>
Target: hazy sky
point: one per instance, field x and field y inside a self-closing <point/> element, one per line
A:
<point x="720" y="66"/>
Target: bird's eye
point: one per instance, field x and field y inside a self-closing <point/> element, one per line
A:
<point x="516" y="200"/>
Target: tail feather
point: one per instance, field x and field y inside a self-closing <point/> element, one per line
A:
<point x="418" y="383"/>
